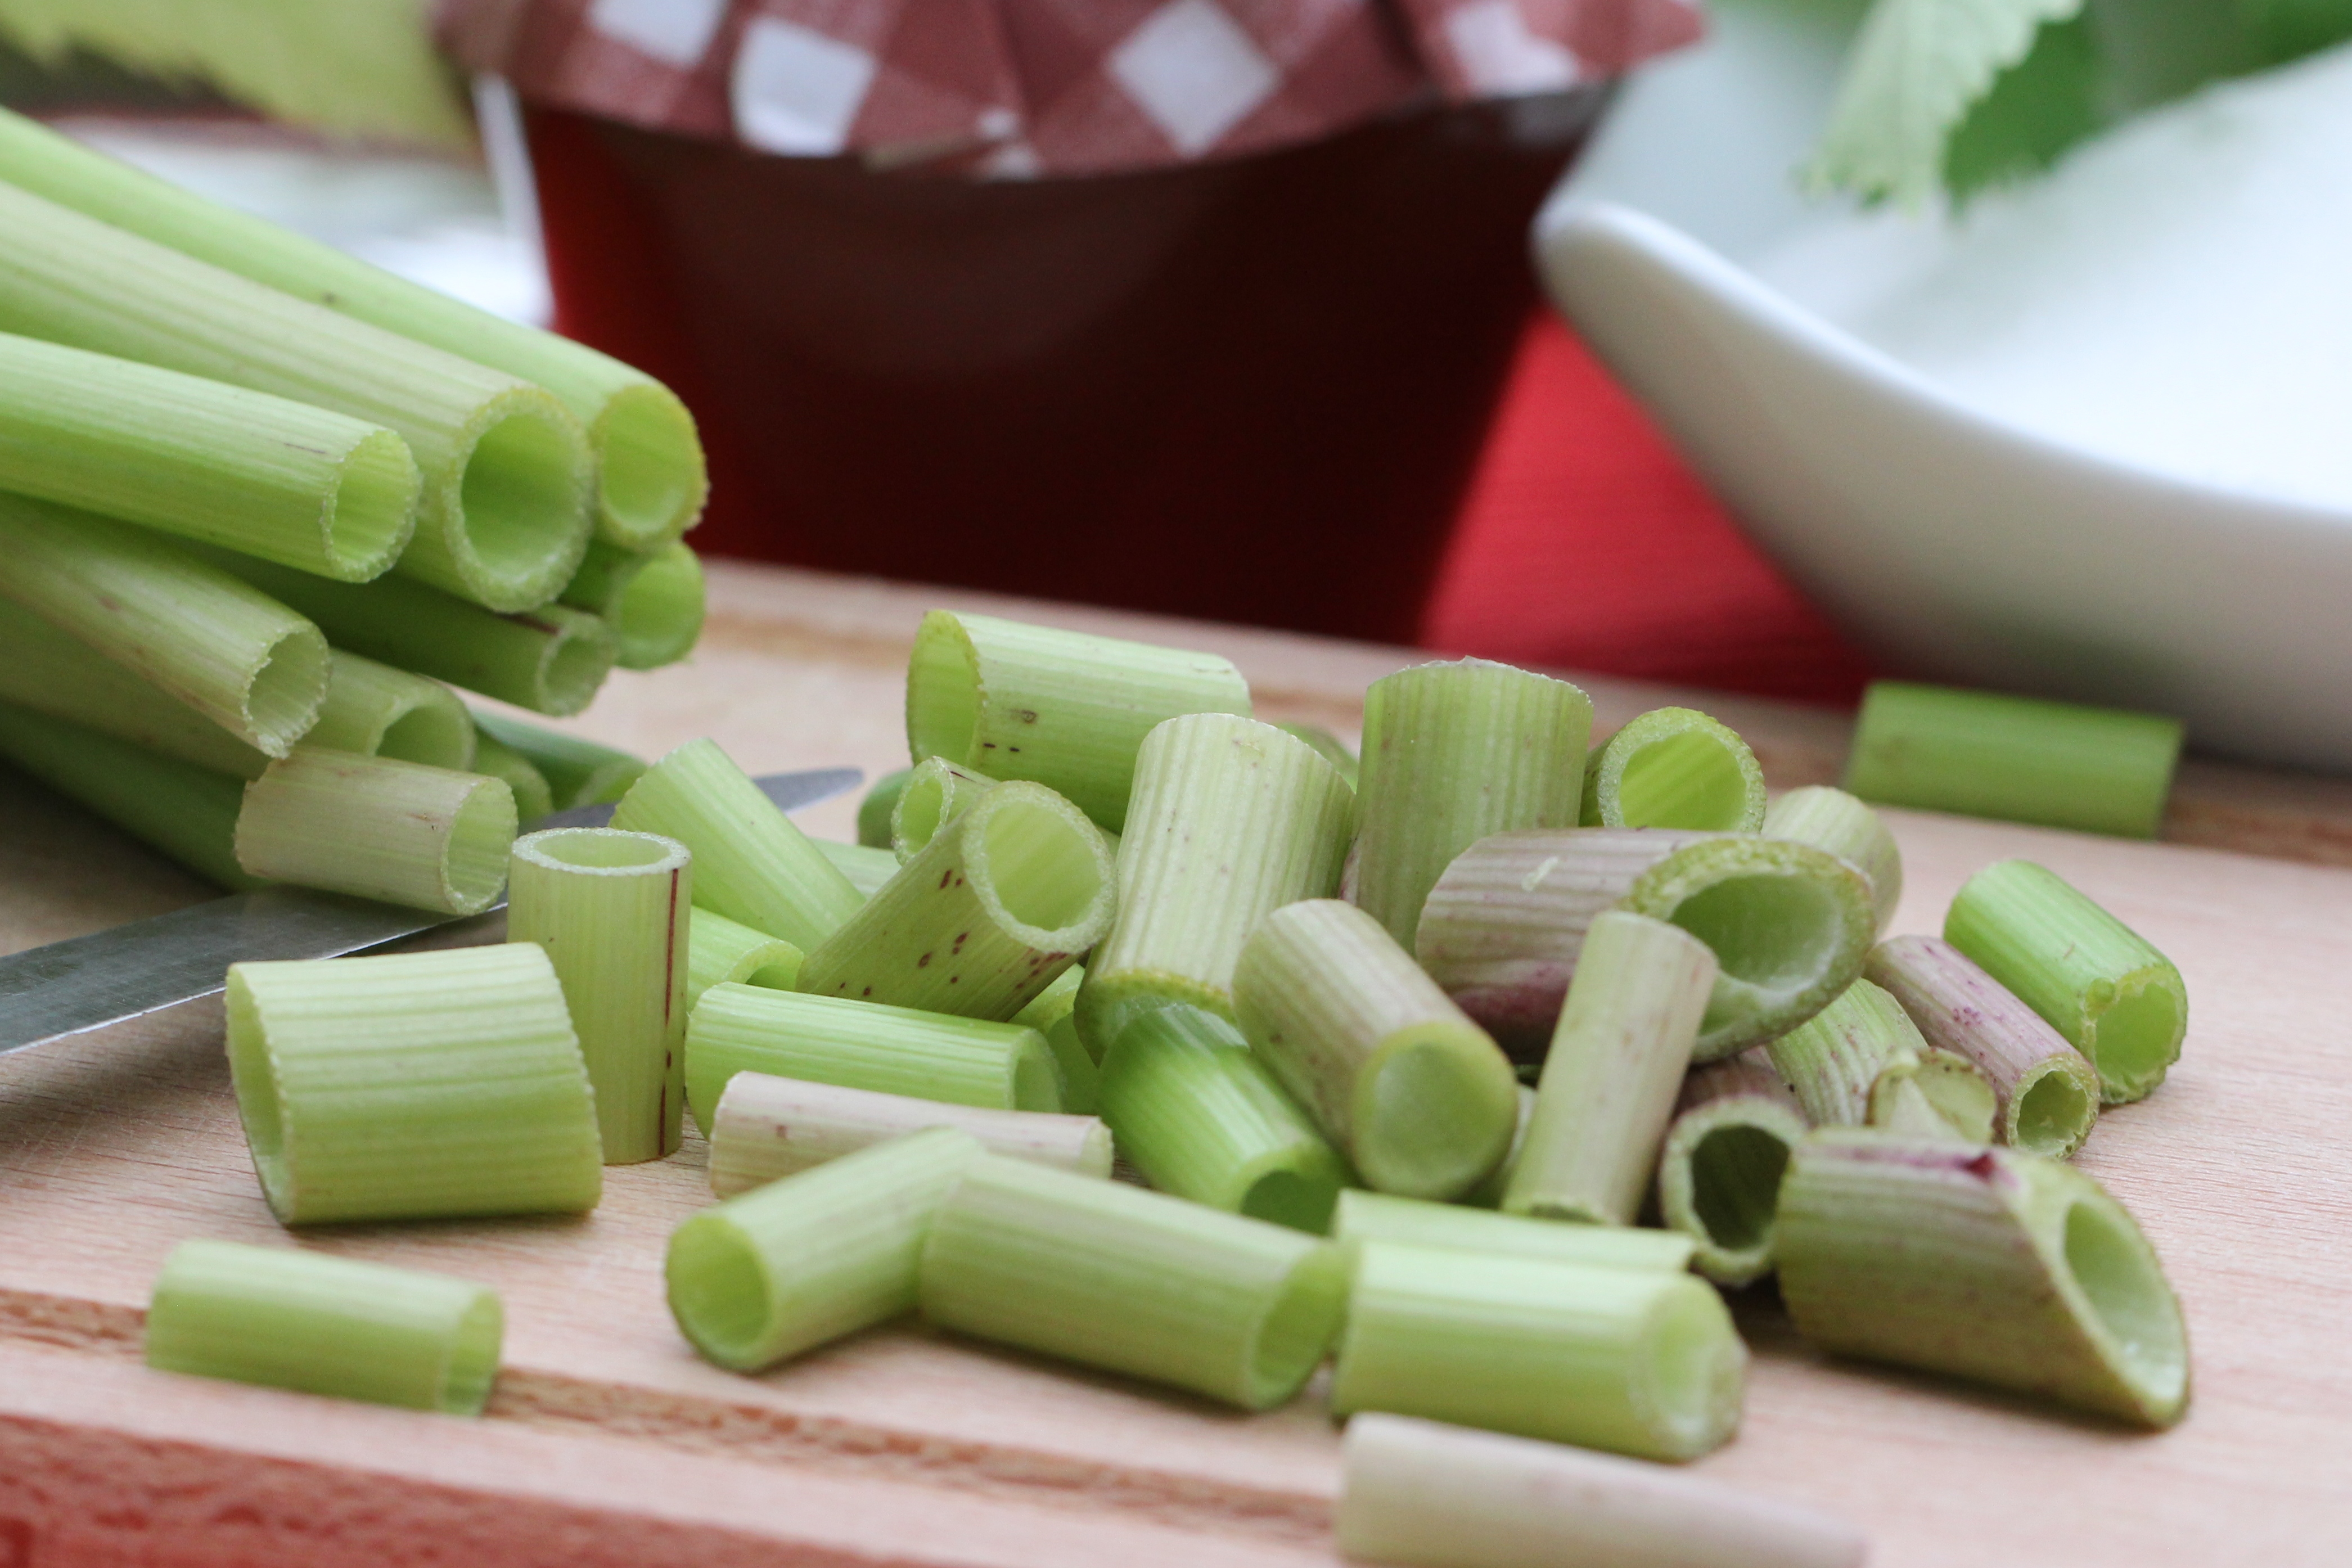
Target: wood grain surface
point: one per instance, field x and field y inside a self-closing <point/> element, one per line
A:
<point x="607" y="1442"/>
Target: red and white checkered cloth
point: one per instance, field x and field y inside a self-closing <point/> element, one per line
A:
<point x="1012" y="88"/>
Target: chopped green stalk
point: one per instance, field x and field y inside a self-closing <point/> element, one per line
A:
<point x="1617" y="1061"/>
<point x="867" y="868"/>
<point x="182" y="811"/>
<point x="550" y="660"/>
<point x="303" y="486"/>
<point x="1830" y="819"/>
<point x="248" y="664"/>
<point x="1673" y="767"/>
<point x="2091" y="977"/>
<point x="880" y="807"/>
<point x="835" y="1249"/>
<point x="1990" y="1264"/>
<point x="1488" y="1194"/>
<point x="1434" y="1496"/>
<point x="533" y="799"/>
<point x="1201" y="1118"/>
<point x="46" y="670"/>
<point x="768" y="1128"/>
<point x="1114" y="1277"/>
<point x="1328" y="746"/>
<point x="381" y="711"/>
<point x="862" y="1044"/>
<point x="578" y="770"/>
<point x="413" y="1086"/>
<point x="752" y="863"/>
<point x="1633" y="1360"/>
<point x="655" y="602"/>
<point x="1053" y="1014"/>
<point x="1979" y="753"/>
<point x="506" y="467"/>
<point x="433" y="838"/>
<point x="2046" y="1094"/>
<point x="325" y="1325"/>
<point x="1720" y="1173"/>
<point x="1064" y="709"/>
<point x="1861" y="1061"/>
<point x="1420" y="1098"/>
<point x="721" y="952"/>
<point x="1453" y="752"/>
<point x="1232" y="820"/>
<point x="611" y="910"/>
<point x="1364" y="1216"/>
<point x="936" y="789"/>
<point x="651" y="480"/>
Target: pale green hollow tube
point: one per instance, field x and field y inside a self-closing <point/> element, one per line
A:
<point x="752" y="863"/>
<point x="303" y="486"/>
<point x="879" y="807"/>
<point x="1488" y="1194"/>
<point x="985" y="916"/>
<point x="769" y="1127"/>
<point x="1636" y="1361"/>
<point x="243" y="660"/>
<point x="2091" y="977"/>
<point x="381" y="711"/>
<point x="1719" y="1172"/>
<point x="721" y="952"/>
<point x="650" y="477"/>
<point x="1054" y="1013"/>
<point x="413" y="1086"/>
<point x="1328" y="746"/>
<point x="493" y="756"/>
<point x="1232" y="820"/>
<point x="433" y="838"/>
<point x="325" y="1325"/>
<point x="1436" y="1496"/>
<point x="935" y="791"/>
<point x="1673" y="767"/>
<point x="835" y="1249"/>
<point x="1831" y="820"/>
<point x="578" y="772"/>
<point x="1616" y="1064"/>
<point x="866" y="869"/>
<point x="49" y="671"/>
<point x="1453" y="752"/>
<point x="1363" y="1216"/>
<point x="1861" y="1061"/>
<point x="1989" y="1264"/>
<point x="506" y="467"/>
<point x="182" y="811"/>
<point x="654" y="602"/>
<point x="1133" y="1281"/>
<point x="611" y="908"/>
<point x="1421" y="1098"/>
<point x="1201" y="1118"/>
<point x="862" y="1044"/>
<point x="1064" y="709"/>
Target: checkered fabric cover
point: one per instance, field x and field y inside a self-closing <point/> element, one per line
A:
<point x="1016" y="88"/>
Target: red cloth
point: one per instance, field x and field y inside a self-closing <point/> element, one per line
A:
<point x="1585" y="544"/>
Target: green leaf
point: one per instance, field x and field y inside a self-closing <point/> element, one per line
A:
<point x="2036" y="110"/>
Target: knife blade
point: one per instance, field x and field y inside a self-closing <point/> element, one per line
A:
<point x="88" y="982"/>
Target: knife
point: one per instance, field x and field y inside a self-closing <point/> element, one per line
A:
<point x="88" y="982"/>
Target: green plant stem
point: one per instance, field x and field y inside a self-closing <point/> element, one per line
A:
<point x="430" y="837"/>
<point x="768" y="1128"/>
<point x="875" y="812"/>
<point x="935" y="791"/>
<point x="578" y="772"/>
<point x="1363" y="1216"/>
<point x="182" y="811"/>
<point x="1834" y="821"/>
<point x="867" y="871"/>
<point x="1719" y="1172"/>
<point x="533" y="799"/>
<point x="1861" y="1061"/>
<point x="50" y="672"/>
<point x="654" y="603"/>
<point x="721" y="952"/>
<point x="1673" y="767"/>
<point x="1054" y="1013"/>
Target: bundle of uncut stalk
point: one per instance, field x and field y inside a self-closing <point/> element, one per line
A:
<point x="769" y="1127"/>
<point x="387" y="713"/>
<point x="325" y="1325"/>
<point x="578" y="770"/>
<point x="303" y="486"/>
<point x="1054" y="1013"/>
<point x="879" y="809"/>
<point x="46" y="670"/>
<point x="1201" y="1118"/>
<point x="983" y="919"/>
<point x="1861" y="1061"/>
<point x="611" y="910"/>
<point x="2046" y="1095"/>
<point x="1114" y="1277"/>
<point x="833" y="1249"/>
<point x="246" y="662"/>
<point x="1419" y="1097"/>
<point x="182" y="811"/>
<point x="1063" y="709"/>
<point x="1990" y="1264"/>
<point x="533" y="799"/>
<point x="1436" y="1496"/>
<point x="504" y="514"/>
<point x="867" y="870"/>
<point x="1635" y="1360"/>
<point x="2091" y="977"/>
<point x="1831" y="820"/>
<point x="433" y="838"/>
<point x="862" y="1044"/>
<point x="721" y="952"/>
<point x="750" y="863"/>
<point x="649" y="473"/>
<point x="1616" y="1064"/>
<point x="653" y="601"/>
<point x="1453" y="752"/>
<point x="413" y="1086"/>
<point x="935" y="790"/>
<point x="1363" y="1216"/>
<point x="1673" y="767"/>
<point x="1719" y="1172"/>
<point x="550" y="660"/>
<point x="1232" y="820"/>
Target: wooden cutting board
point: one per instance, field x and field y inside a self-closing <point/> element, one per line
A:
<point x="608" y="1442"/>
